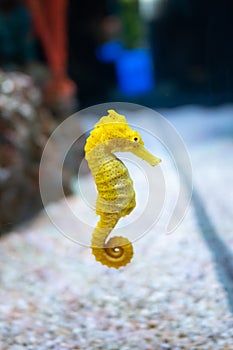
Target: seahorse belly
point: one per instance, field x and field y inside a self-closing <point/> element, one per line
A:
<point x="115" y="189"/>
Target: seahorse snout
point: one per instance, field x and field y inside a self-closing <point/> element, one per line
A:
<point x="141" y="152"/>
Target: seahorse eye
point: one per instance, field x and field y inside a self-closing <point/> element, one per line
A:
<point x="135" y="139"/>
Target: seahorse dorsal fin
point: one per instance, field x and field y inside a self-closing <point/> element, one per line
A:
<point x="112" y="117"/>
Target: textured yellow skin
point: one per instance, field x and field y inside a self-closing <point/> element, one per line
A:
<point x="116" y="196"/>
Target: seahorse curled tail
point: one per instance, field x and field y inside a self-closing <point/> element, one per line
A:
<point x="117" y="251"/>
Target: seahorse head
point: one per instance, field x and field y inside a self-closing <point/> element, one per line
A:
<point x="114" y="134"/>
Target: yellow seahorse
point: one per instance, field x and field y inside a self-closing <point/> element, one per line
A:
<point x="116" y="196"/>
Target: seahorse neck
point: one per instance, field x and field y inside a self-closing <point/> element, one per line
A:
<point x="97" y="157"/>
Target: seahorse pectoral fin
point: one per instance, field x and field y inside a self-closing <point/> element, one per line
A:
<point x="144" y="154"/>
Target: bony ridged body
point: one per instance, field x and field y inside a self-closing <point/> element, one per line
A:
<point x="116" y="196"/>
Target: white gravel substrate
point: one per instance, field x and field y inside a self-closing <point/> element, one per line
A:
<point x="208" y="135"/>
<point x="55" y="296"/>
<point x="217" y="192"/>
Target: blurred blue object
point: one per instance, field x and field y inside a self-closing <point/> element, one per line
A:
<point x="134" y="70"/>
<point x="109" y="52"/>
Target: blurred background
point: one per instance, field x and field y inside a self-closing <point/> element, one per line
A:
<point x="157" y="52"/>
<point x="181" y="51"/>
